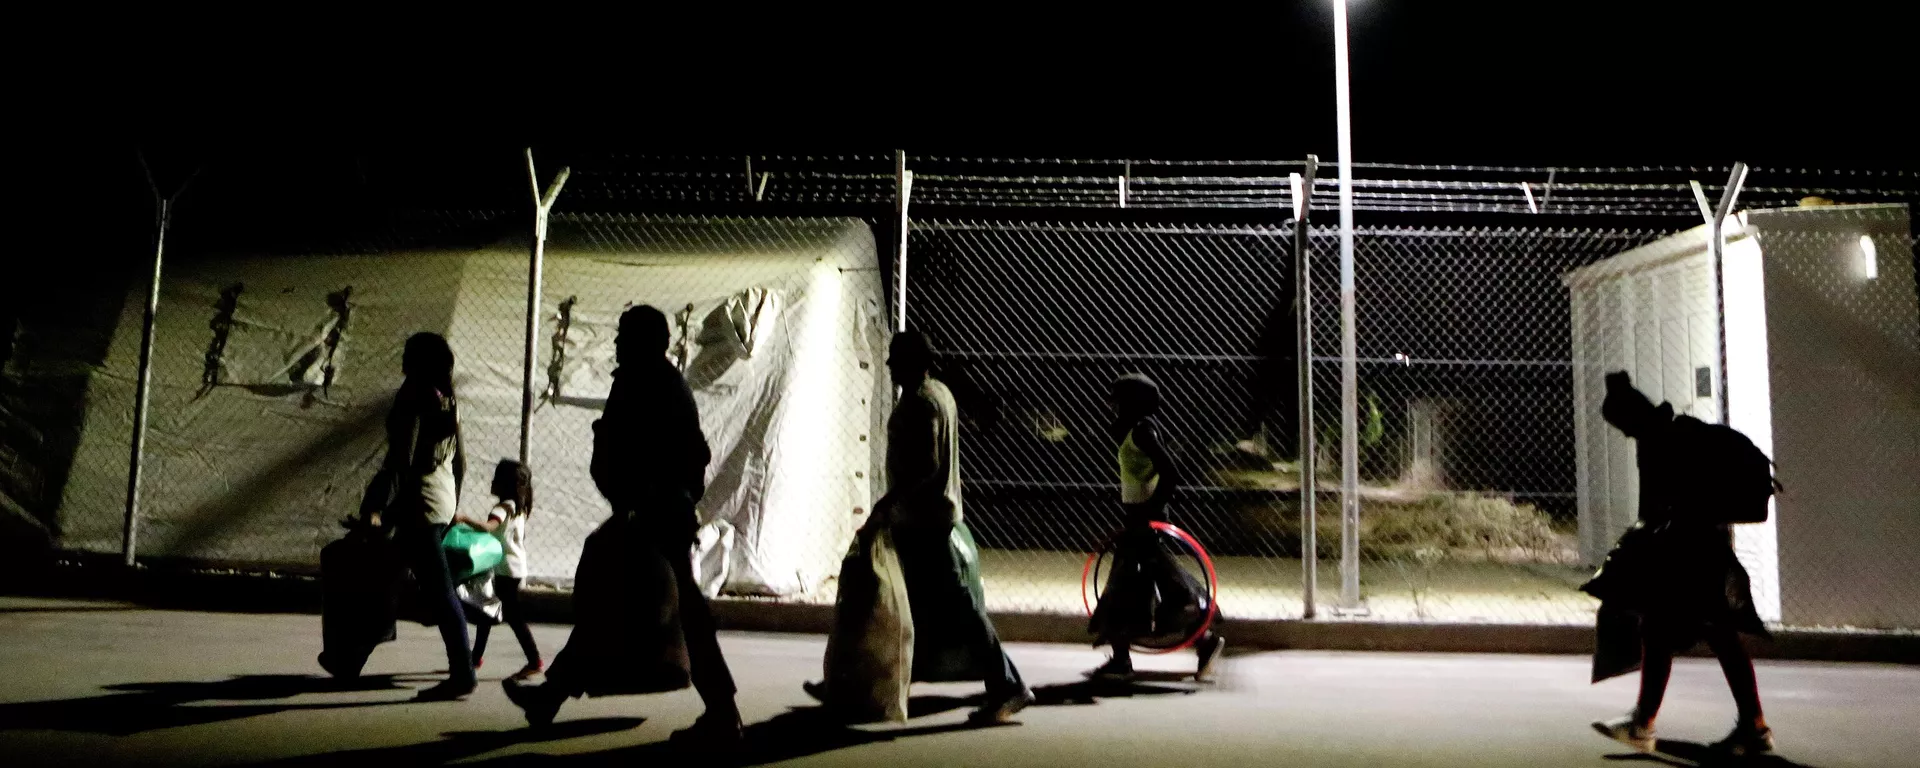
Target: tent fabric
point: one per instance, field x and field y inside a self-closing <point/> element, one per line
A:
<point x="777" y="324"/>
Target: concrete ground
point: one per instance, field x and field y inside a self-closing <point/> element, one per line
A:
<point x="87" y="683"/>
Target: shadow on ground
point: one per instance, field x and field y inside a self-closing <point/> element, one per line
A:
<point x="1688" y="754"/>
<point x="796" y="733"/>
<point x="70" y="609"/>
<point x="460" y="745"/>
<point x="141" y="707"/>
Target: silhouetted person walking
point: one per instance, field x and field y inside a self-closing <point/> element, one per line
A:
<point x="507" y="521"/>
<point x="953" y="638"/>
<point x="425" y="466"/>
<point x="1674" y="580"/>
<point x="1147" y="594"/>
<point x="650" y="461"/>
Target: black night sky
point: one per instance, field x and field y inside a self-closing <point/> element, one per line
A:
<point x="434" y="114"/>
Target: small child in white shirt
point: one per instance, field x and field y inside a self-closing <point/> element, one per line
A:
<point x="513" y="486"/>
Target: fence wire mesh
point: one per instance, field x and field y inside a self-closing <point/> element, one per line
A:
<point x="1464" y="382"/>
<point x="1488" y="485"/>
<point x="1043" y="317"/>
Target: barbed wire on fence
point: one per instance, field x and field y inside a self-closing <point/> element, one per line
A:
<point x="1173" y="184"/>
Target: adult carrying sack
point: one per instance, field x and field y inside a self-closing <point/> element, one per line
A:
<point x="1728" y="479"/>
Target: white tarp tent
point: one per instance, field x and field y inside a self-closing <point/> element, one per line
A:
<point x="265" y="424"/>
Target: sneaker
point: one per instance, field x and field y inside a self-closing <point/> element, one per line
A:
<point x="1209" y="650"/>
<point x="713" y="729"/>
<point x="1626" y="731"/>
<point x="447" y="690"/>
<point x="1000" y="709"/>
<point x="532" y="668"/>
<point x="818" y="690"/>
<point x="1746" y="740"/>
<point x="335" y="667"/>
<point x="535" y="701"/>
<point x="1118" y="669"/>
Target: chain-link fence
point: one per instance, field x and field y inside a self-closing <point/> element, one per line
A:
<point x="1464" y="384"/>
<point x="1043" y="317"/>
<point x="1465" y="380"/>
<point x="1488" y="485"/>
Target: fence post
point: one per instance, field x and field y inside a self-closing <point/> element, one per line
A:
<point x="143" y="384"/>
<point x="536" y="264"/>
<point x="903" y="192"/>
<point x="1349" y="393"/>
<point x="1303" y="316"/>
<point x="1717" y="240"/>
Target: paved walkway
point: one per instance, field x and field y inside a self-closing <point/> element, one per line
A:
<point x="97" y="684"/>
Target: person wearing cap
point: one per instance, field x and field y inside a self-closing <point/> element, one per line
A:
<point x="1147" y="594"/>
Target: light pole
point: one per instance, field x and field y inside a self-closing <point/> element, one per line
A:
<point x="1349" y="393"/>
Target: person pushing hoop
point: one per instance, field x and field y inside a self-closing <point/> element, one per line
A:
<point x="1147" y="594"/>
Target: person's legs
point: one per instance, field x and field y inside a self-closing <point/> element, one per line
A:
<point x="421" y="547"/>
<point x="711" y="677"/>
<point x="480" y="634"/>
<point x="1656" y="669"/>
<point x="1125" y="609"/>
<point x="508" y="588"/>
<point x="1207" y="650"/>
<point x="720" y="724"/>
<point x="931" y="551"/>
<point x="1738" y="667"/>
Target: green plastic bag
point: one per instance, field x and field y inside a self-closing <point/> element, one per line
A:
<point x="470" y="552"/>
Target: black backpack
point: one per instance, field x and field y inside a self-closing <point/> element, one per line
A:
<point x="1727" y="479"/>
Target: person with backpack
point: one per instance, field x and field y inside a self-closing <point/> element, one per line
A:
<point x="1674" y="580"/>
<point x="1147" y="594"/>
<point x="507" y="521"/>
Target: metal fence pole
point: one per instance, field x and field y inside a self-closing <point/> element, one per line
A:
<point x="903" y="193"/>
<point x="1303" y="316"/>
<point x="1718" y="242"/>
<point x="1349" y="395"/>
<point x="143" y="384"/>
<point x="536" y="264"/>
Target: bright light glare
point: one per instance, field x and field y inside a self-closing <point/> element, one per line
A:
<point x="1869" y="257"/>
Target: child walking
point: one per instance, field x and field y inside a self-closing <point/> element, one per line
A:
<point x="513" y="486"/>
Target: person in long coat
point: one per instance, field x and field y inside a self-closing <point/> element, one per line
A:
<point x="1672" y="582"/>
<point x="636" y="572"/>
<point x="938" y="561"/>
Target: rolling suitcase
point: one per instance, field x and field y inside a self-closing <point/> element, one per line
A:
<point x="360" y="581"/>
